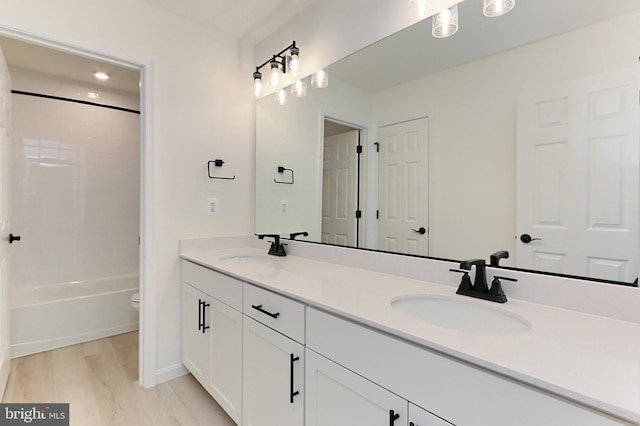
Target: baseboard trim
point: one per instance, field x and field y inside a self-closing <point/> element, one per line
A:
<point x="171" y="372"/>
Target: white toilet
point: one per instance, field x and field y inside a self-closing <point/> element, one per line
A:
<point x="135" y="301"/>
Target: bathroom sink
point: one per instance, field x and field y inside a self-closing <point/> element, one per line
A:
<point x="252" y="259"/>
<point x="458" y="313"/>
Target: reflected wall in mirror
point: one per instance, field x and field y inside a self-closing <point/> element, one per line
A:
<point x="531" y="129"/>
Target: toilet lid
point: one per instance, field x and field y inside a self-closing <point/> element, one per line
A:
<point x="135" y="297"/>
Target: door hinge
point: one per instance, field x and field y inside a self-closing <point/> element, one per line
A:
<point x="377" y="214"/>
<point x="359" y="149"/>
<point x="358" y="214"/>
<point x="377" y="144"/>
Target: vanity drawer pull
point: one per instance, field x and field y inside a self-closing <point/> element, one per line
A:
<point x="393" y="416"/>
<point x="259" y="308"/>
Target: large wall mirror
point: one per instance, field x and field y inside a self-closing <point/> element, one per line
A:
<point x="518" y="133"/>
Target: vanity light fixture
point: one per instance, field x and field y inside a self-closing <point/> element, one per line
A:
<point x="288" y="59"/>
<point x="275" y="73"/>
<point x="294" y="60"/>
<point x="445" y="23"/>
<point x="418" y="9"/>
<point x="281" y="97"/>
<point x="257" y="84"/>
<point x="493" y="8"/>
<point x="320" y="79"/>
<point x="299" y="89"/>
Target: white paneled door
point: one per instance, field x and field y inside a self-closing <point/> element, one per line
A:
<point x="5" y="173"/>
<point x="403" y="187"/>
<point x="339" y="188"/>
<point x="578" y="177"/>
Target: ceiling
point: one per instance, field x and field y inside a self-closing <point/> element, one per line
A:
<point x="248" y="20"/>
<point x="19" y="54"/>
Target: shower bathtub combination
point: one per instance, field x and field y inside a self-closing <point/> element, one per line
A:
<point x="53" y="316"/>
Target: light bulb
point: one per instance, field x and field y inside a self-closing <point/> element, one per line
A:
<point x="257" y="84"/>
<point x="445" y="23"/>
<point x="281" y="97"/>
<point x="294" y="61"/>
<point x="418" y="9"/>
<point x="493" y="8"/>
<point x="299" y="89"/>
<point x="275" y="73"/>
<point x="320" y="79"/>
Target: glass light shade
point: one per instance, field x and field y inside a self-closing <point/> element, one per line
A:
<point x="320" y="79"/>
<point x="294" y="62"/>
<point x="445" y="23"/>
<point x="493" y="8"/>
<point x="418" y="9"/>
<point x="299" y="89"/>
<point x="281" y="97"/>
<point x="274" y="75"/>
<point x="257" y="87"/>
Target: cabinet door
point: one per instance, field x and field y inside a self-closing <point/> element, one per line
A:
<point x="195" y="336"/>
<point x="336" y="396"/>
<point x="421" y="417"/>
<point x="225" y="378"/>
<point x="273" y="384"/>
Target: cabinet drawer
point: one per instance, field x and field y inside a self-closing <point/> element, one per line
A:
<point x="226" y="289"/>
<point x="440" y="383"/>
<point x="281" y="314"/>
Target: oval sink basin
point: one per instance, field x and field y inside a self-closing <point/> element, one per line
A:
<point x="254" y="259"/>
<point x="457" y="313"/>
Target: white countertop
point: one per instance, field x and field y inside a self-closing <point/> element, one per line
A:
<point x="589" y="359"/>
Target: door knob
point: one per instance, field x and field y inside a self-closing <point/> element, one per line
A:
<point x="420" y="231"/>
<point x="526" y="238"/>
<point x="13" y="238"/>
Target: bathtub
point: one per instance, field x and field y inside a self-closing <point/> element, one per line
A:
<point x="57" y="315"/>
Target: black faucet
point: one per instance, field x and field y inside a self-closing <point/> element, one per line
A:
<point x="276" y="249"/>
<point x="495" y="257"/>
<point x="479" y="287"/>
<point x="295" y="234"/>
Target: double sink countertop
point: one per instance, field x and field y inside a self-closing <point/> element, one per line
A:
<point x="586" y="358"/>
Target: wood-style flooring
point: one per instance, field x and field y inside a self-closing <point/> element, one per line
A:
<point x="99" y="380"/>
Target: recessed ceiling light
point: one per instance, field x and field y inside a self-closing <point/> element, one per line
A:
<point x="101" y="75"/>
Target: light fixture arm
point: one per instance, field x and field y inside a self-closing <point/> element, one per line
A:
<point x="279" y="57"/>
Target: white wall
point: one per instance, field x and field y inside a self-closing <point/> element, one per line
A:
<point x="291" y="136"/>
<point x="198" y="108"/>
<point x="75" y="187"/>
<point x="472" y="110"/>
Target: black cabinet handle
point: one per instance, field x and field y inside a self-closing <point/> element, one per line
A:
<point x="13" y="238"/>
<point x="393" y="416"/>
<point x="292" y="359"/>
<point x="202" y="315"/>
<point x="199" y="314"/>
<point x="259" y="308"/>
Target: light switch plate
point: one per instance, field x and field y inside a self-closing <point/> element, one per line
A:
<point x="213" y="205"/>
